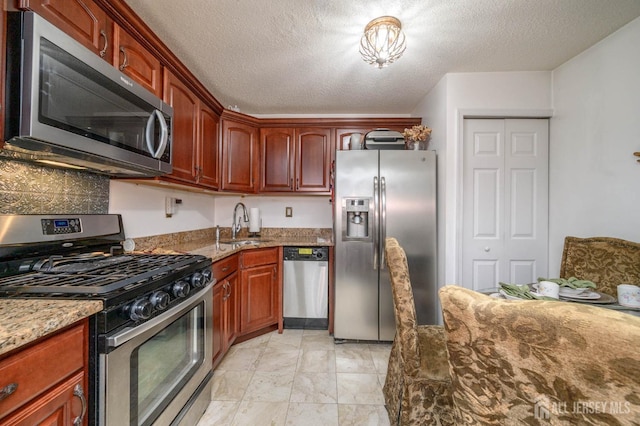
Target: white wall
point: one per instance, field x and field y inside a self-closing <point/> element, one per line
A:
<point x="143" y="210"/>
<point x="594" y="177"/>
<point x="497" y="94"/>
<point x="308" y="211"/>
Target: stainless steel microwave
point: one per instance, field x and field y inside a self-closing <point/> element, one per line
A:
<point x="65" y="106"/>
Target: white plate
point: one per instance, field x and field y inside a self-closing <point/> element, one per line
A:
<point x="590" y="295"/>
<point x="569" y="292"/>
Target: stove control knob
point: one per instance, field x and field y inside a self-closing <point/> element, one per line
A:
<point x="159" y="300"/>
<point x="207" y="274"/>
<point x="197" y="280"/>
<point x="181" y="289"/>
<point x="140" y="310"/>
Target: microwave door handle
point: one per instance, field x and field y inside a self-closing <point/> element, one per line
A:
<point x="164" y="134"/>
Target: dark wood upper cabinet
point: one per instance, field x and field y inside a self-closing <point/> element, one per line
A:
<point x="295" y="159"/>
<point x="130" y="57"/>
<point x="313" y="160"/>
<point x="277" y="159"/>
<point x="208" y="172"/>
<point x="239" y="156"/>
<point x="195" y="137"/>
<point x="83" y="20"/>
<point x="185" y="127"/>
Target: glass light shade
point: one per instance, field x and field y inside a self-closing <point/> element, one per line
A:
<point x="383" y="41"/>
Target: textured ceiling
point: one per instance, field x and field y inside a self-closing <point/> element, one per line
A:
<point x="301" y="56"/>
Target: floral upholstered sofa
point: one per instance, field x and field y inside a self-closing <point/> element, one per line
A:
<point x="540" y="362"/>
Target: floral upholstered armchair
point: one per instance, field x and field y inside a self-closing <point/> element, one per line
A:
<point x="603" y="260"/>
<point x="540" y="362"/>
<point x="417" y="386"/>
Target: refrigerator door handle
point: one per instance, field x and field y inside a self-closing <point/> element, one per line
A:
<point x="383" y="219"/>
<point x="376" y="210"/>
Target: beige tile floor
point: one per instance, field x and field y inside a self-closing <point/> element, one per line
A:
<point x="299" y="378"/>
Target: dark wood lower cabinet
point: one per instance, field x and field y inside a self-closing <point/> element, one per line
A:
<point x="260" y="289"/>
<point x="225" y="316"/>
<point x="226" y="309"/>
<point x="46" y="384"/>
<point x="259" y="298"/>
<point x="246" y="302"/>
<point x="60" y="406"/>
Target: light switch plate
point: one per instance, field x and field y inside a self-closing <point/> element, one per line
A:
<point x="288" y="212"/>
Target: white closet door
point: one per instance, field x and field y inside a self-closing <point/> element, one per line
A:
<point x="505" y="201"/>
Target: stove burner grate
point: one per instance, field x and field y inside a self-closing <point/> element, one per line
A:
<point x="103" y="279"/>
<point x="56" y="264"/>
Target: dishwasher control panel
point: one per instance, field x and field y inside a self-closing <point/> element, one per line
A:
<point x="306" y="253"/>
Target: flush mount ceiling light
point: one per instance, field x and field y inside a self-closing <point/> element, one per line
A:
<point x="383" y="41"/>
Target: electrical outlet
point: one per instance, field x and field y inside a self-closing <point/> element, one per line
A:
<point x="288" y="211"/>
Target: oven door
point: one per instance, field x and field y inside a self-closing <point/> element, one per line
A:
<point x="159" y="372"/>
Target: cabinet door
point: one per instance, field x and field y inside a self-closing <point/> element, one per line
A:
<point x="209" y="148"/>
<point x="218" y="320"/>
<point x="61" y="406"/>
<point x="259" y="305"/>
<point x="83" y="20"/>
<point x="277" y="160"/>
<point x="130" y="57"/>
<point x="232" y="305"/>
<point x="185" y="127"/>
<point x="239" y="161"/>
<point x="68" y="349"/>
<point x="313" y="160"/>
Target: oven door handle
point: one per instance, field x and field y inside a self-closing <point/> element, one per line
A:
<point x="174" y="313"/>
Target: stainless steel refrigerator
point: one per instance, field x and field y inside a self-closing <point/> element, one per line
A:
<point x="378" y="194"/>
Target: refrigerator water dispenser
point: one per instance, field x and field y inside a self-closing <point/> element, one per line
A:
<point x="357" y="218"/>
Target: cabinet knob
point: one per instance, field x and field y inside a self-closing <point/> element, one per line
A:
<point x="8" y="390"/>
<point x="487" y="249"/>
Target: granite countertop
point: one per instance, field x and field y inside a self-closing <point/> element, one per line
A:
<point x="208" y="248"/>
<point x="24" y="320"/>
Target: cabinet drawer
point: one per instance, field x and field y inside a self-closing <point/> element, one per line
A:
<point x="225" y="267"/>
<point x="257" y="257"/>
<point x="36" y="369"/>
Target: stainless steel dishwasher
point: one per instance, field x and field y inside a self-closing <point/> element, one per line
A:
<point x="306" y="287"/>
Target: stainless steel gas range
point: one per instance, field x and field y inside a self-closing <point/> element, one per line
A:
<point x="150" y="348"/>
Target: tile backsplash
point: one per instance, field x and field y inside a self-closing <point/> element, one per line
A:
<point x="27" y="188"/>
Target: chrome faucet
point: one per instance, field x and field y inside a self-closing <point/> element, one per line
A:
<point x="235" y="227"/>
